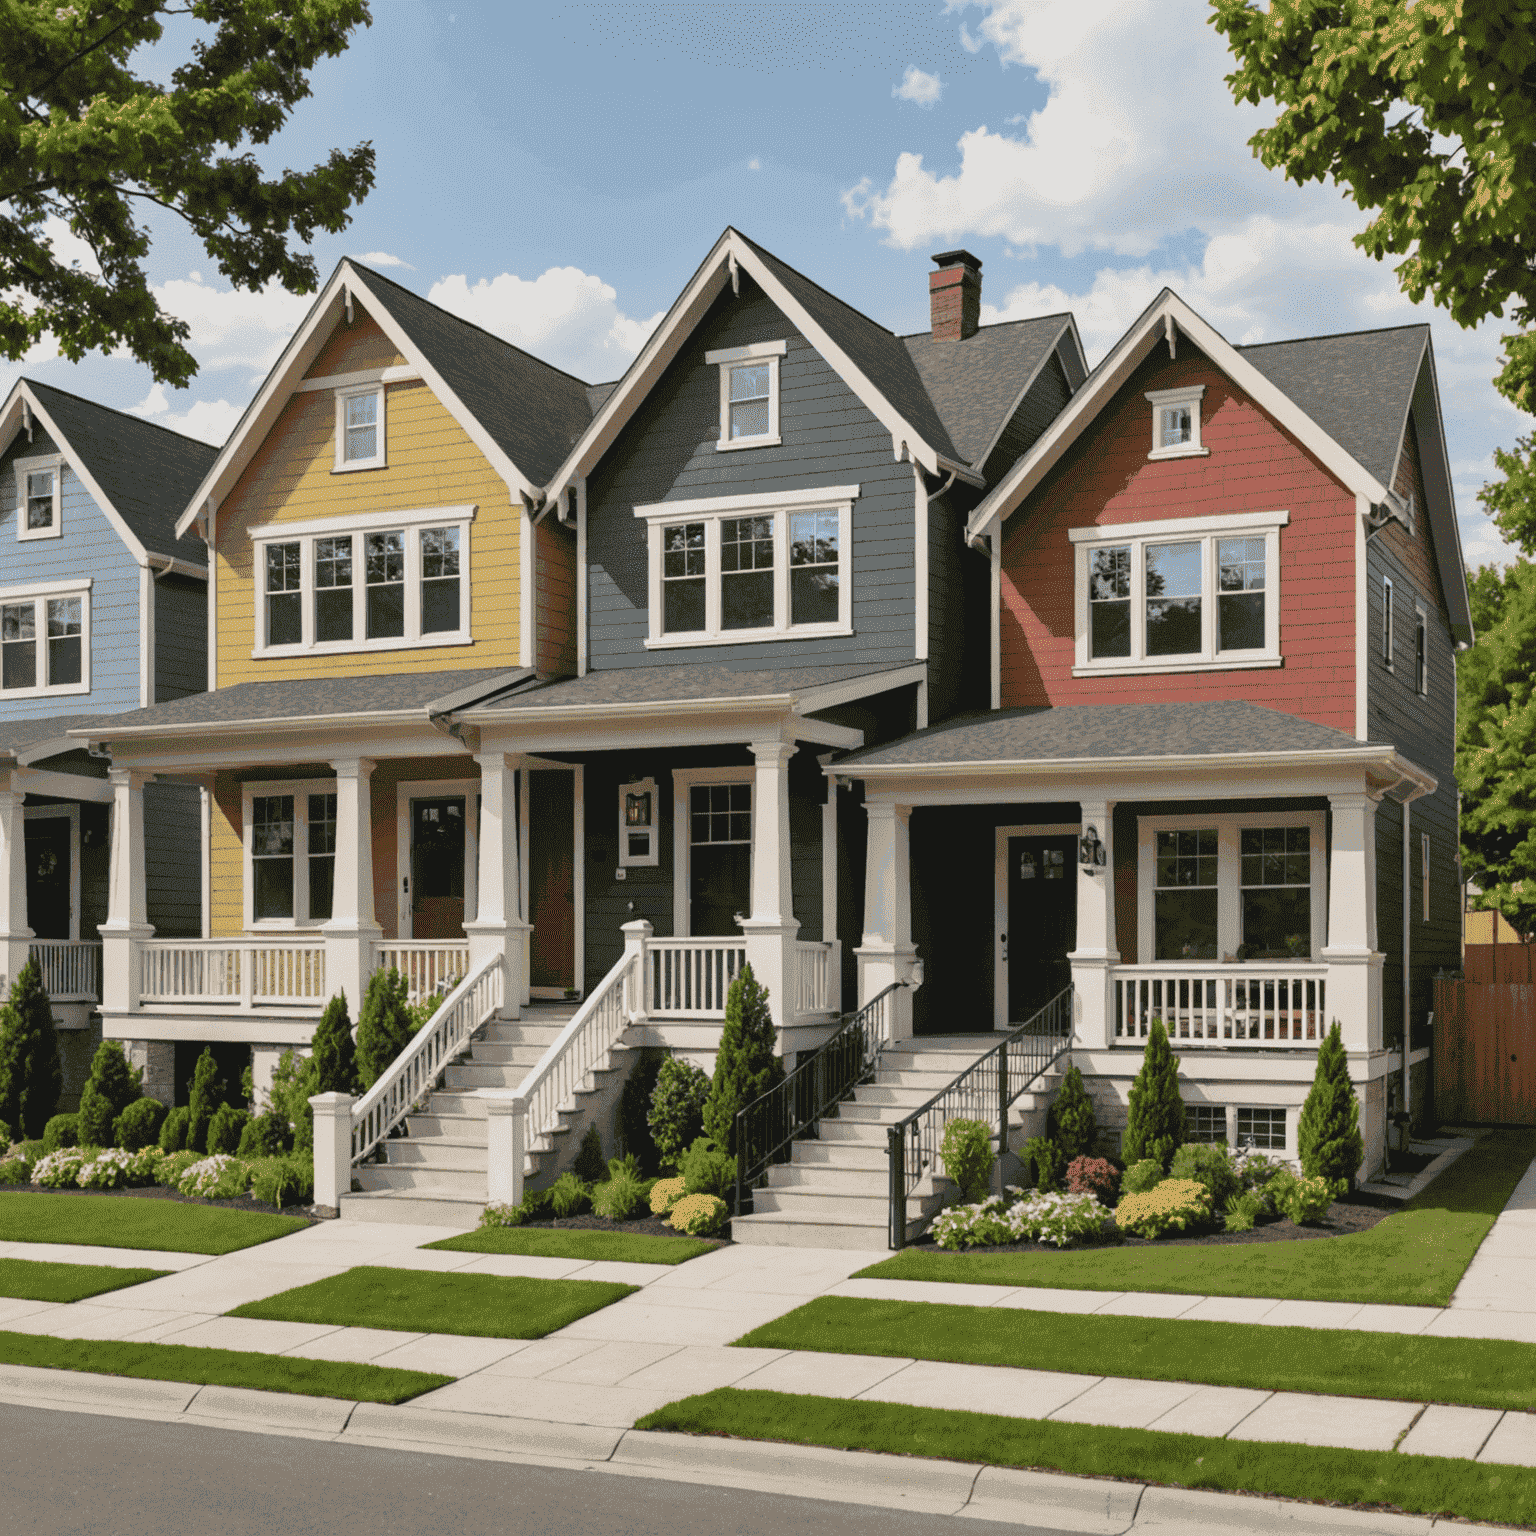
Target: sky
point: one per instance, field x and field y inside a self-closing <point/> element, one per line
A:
<point x="556" y="172"/>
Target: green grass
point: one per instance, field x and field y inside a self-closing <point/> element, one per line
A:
<point x="113" y="1222"/>
<point x="576" y="1243"/>
<point x="1486" y="1373"/>
<point x="220" y="1367"/>
<point x="1415" y="1257"/>
<point x="420" y="1301"/>
<point x="31" y="1280"/>
<point x="1420" y="1484"/>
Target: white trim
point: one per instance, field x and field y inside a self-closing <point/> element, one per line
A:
<point x="683" y="781"/>
<point x="995" y="554"/>
<point x="830" y="695"/>
<point x="652" y="830"/>
<point x="64" y="586"/>
<point x="378" y="458"/>
<point x="70" y="812"/>
<point x="301" y="790"/>
<point x="920" y="566"/>
<point x="1000" y="904"/>
<point x="50" y="463"/>
<point x="526" y="597"/>
<point x="362" y="522"/>
<point x="146" y="637"/>
<point x="753" y="352"/>
<point x="725" y="443"/>
<point x="1216" y="522"/>
<point x="581" y="576"/>
<point x="39" y="593"/>
<point x="61" y="786"/>
<point x="407" y="790"/>
<point x="395" y="374"/>
<point x="205" y="792"/>
<point x="704" y="506"/>
<point x="1169" y="399"/>
<point x="212" y="640"/>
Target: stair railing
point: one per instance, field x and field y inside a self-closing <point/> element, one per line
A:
<point x="766" y="1128"/>
<point x="984" y="1091"/>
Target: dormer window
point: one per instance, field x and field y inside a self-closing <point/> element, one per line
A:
<point x="39" y="498"/>
<point x="749" y="394"/>
<point x="360" y="428"/>
<point x="1176" y="422"/>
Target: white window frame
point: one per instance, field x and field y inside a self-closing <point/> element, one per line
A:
<point x="1190" y="395"/>
<point x="1424" y="877"/>
<point x="726" y="358"/>
<point x="39" y="592"/>
<point x="53" y="462"/>
<point x="628" y="860"/>
<point x="1267" y="1109"/>
<point x="305" y="534"/>
<point x="684" y="780"/>
<point x="1178" y="530"/>
<point x="68" y="810"/>
<point x="343" y="465"/>
<point x="1421" y="646"/>
<point x="301" y="790"/>
<point x="1229" y="880"/>
<point x="712" y="511"/>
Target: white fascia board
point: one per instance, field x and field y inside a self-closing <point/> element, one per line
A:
<point x="830" y="695"/>
<point x="62" y="786"/>
<point x="704" y="506"/>
<point x="1123" y="359"/>
<point x="191" y="729"/>
<point x="276" y="744"/>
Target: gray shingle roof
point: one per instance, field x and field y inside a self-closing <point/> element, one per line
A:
<point x="148" y="473"/>
<point x="1084" y="732"/>
<point x="17" y="736"/>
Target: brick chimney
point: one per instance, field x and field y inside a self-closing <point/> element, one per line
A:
<point x="954" y="295"/>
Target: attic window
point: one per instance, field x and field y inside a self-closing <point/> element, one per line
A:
<point x="360" y="428"/>
<point x="39" y="498"/>
<point x="749" y="394"/>
<point x="1176" y="422"/>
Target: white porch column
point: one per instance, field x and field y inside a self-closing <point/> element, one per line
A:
<point x="772" y="928"/>
<point x="506" y="1126"/>
<point x="1096" y="954"/>
<point x="886" y="953"/>
<point x="1354" y="963"/>
<point x="498" y="926"/>
<point x="15" y="934"/>
<point x="127" y="924"/>
<point x="351" y="931"/>
<point x="333" y="1147"/>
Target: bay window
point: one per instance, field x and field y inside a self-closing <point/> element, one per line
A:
<point x="290" y="853"/>
<point x="43" y="639"/>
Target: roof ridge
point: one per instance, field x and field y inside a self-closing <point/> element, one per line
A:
<point x="997" y="325"/>
<point x="1364" y="330"/>
<point x="113" y="410"/>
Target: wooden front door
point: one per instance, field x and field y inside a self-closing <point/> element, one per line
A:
<point x="552" y="878"/>
<point x="1037" y="921"/>
<point x="1485" y="1053"/>
<point x="49" y="882"/>
<point x="437" y="868"/>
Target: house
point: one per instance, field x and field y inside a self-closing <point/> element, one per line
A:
<point x="103" y="609"/>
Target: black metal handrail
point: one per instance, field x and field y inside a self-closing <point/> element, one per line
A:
<point x="984" y="1091"/>
<point x="767" y="1126"/>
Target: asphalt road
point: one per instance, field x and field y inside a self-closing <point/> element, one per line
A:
<point x="64" y="1473"/>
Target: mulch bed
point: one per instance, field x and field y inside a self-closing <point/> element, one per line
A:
<point x="307" y="1213"/>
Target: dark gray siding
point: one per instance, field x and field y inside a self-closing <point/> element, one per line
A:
<point x="667" y="452"/>
<point x="1039" y="408"/>
<point x="173" y="859"/>
<point x="181" y="637"/>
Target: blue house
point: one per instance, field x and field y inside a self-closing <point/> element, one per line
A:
<point x="102" y="609"/>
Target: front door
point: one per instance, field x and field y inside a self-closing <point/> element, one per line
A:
<point x="48" y="840"/>
<point x="719" y="858"/>
<point x="552" y="878"/>
<point x="1037" y="920"/>
<point x="437" y="868"/>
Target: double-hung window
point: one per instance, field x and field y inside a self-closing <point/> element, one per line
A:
<point x="1179" y="594"/>
<point x="743" y="568"/>
<point x="360" y="428"/>
<point x="749" y="394"/>
<point x="1176" y="422"/>
<point x="290" y="853"/>
<point x="44" y="639"/>
<point x="40" y="497"/>
<point x="391" y="580"/>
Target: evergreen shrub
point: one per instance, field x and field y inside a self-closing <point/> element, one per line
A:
<point x="1142" y="1176"/>
<point x="1071" y="1122"/>
<point x="1155" y="1125"/>
<point x="31" y="1073"/>
<point x="699" y="1215"/>
<point x="15" y="1170"/>
<point x="633" y="1125"/>
<point x="589" y="1166"/>
<point x="112" y="1086"/>
<point x="665" y="1193"/>
<point x="266" y="1135"/>
<point x="384" y="1027"/>
<point x="1328" y="1137"/>
<point x="333" y="1051"/>
<point x="1210" y="1164"/>
<point x="1049" y="1162"/>
<point x="5" y="1134"/>
<point x="139" y="1125"/>
<point x="204" y="1095"/>
<point x="1308" y="1200"/>
<point x="746" y="1066"/>
<point x="173" y="1129"/>
<point x="707" y="1170"/>
<point x="61" y="1131"/>
<point x="1175" y="1205"/>
<point x="226" y="1128"/>
<point x="677" y="1108"/>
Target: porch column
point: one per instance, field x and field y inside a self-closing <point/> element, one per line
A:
<point x="1354" y="963"/>
<point x="1096" y="955"/>
<point x="498" y="926"/>
<point x="15" y="934"/>
<point x="771" y="930"/>
<point x="127" y="924"/>
<point x="351" y="930"/>
<point x="886" y="953"/>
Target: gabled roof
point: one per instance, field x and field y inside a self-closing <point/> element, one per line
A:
<point x="139" y="474"/>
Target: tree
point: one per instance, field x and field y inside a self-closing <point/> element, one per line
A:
<point x="1155" y="1126"/>
<point x="86" y="140"/>
<point x="31" y="1074"/>
<point x="334" y="1054"/>
<point x="746" y="1066"/>
<point x="1328" y="1135"/>
<point x="1071" y="1122"/>
<point x="112" y="1086"/>
<point x="204" y="1095"/>
<point x="384" y="1027"/>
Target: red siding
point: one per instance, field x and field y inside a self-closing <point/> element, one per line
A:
<point x="1254" y="466"/>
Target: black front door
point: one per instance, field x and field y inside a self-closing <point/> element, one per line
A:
<point x="1042" y="921"/>
<point x="437" y="868"/>
<point x="48" y="876"/>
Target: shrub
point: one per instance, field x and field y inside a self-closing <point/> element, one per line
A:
<point x="1328" y="1137"/>
<point x="983" y="1224"/>
<point x="205" y="1094"/>
<point x="1176" y="1205"/>
<point x="226" y="1128"/>
<point x="619" y="1198"/>
<point x="1057" y="1219"/>
<point x="589" y="1166"/>
<point x="1071" y="1123"/>
<point x="31" y="1074"/>
<point x="627" y="1165"/>
<point x="665" y="1193"/>
<point x="5" y="1134"/>
<point x="966" y="1152"/>
<point x="1210" y="1164"/>
<point x="1049" y="1162"/>
<point x="1155" y="1126"/>
<point x="265" y="1135"/>
<point x="32" y="1150"/>
<point x="569" y="1196"/>
<point x="1307" y="1200"/>
<point x="220" y="1177"/>
<point x="1095" y="1176"/>
<point x="173" y="1129"/>
<point x="746" y="1067"/>
<point x="1254" y="1169"/>
<point x="698" y="1215"/>
<point x="15" y="1170"/>
<point x="1141" y="1177"/>
<point x="384" y="1026"/>
<point x="500" y="1213"/>
<point x="1243" y="1211"/>
<point x="61" y="1131"/>
<point x="677" y="1109"/>
<point x="707" y="1170"/>
<point x="332" y="1051"/>
<point x="293" y="1081"/>
<point x="139" y="1125"/>
<point x="283" y="1181"/>
<point x="173" y="1165"/>
<point x="633" y="1124"/>
<point x="1276" y="1194"/>
<point x="112" y="1086"/>
<point x="58" y="1170"/>
<point x="117" y="1169"/>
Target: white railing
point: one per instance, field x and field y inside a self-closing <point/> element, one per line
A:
<point x="71" y="969"/>
<point x="410" y="1076"/>
<point x="240" y="972"/>
<point x="428" y="965"/>
<point x="818" y="978"/>
<point x="688" y="978"/>
<point x="1219" y="1005"/>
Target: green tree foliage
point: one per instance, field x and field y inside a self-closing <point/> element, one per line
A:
<point x="204" y="1095"/>
<point x="1328" y="1136"/>
<point x="139" y="1125"/>
<point x="384" y="1027"/>
<point x="226" y="1128"/>
<point x="677" y="1108"/>
<point x="31" y="1074"/>
<point x="89" y="139"/>
<point x="634" y="1126"/>
<point x="1155" y="1126"/>
<point x="112" y="1086"/>
<point x="334" y="1054"/>
<point x="293" y="1081"/>
<point x="746" y="1066"/>
<point x="1071" y="1123"/>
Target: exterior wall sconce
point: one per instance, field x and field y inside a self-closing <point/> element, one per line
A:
<point x="1090" y="851"/>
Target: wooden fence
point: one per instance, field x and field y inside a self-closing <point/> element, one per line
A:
<point x="1485" y="1050"/>
<point x="1503" y="963"/>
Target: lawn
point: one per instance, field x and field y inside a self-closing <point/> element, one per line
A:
<point x="105" y="1221"/>
<point x="31" y="1280"/>
<point x="422" y="1301"/>
<point x="1485" y="1373"/>
<point x="578" y="1243"/>
<point x="219" y="1367"/>
<point x="1419" y="1484"/>
<point x="1416" y="1256"/>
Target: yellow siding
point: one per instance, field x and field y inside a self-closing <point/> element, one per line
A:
<point x="226" y="886"/>
<point x="351" y="348"/>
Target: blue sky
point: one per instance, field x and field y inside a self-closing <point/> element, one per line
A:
<point x="556" y="172"/>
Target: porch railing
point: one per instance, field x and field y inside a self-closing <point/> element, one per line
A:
<point x="238" y="972"/>
<point x="984" y="1091"/>
<point x="1277" y="1005"/>
<point x="688" y="978"/>
<point x="768" y="1126"/>
<point x="818" y="978"/>
<point x="71" y="969"/>
<point x="428" y="965"/>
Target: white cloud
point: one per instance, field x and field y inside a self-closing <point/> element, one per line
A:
<point x="210" y="421"/>
<point x="919" y="87"/>
<point x="565" y="316"/>
<point x="234" y="328"/>
<point x="754" y="164"/>
<point x="384" y="259"/>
